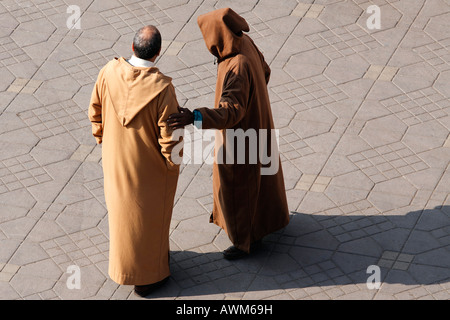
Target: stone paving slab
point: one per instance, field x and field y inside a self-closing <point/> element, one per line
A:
<point x="364" y="122"/>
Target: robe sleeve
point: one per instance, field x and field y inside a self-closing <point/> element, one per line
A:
<point x="95" y="108"/>
<point x="168" y="105"/>
<point x="233" y="101"/>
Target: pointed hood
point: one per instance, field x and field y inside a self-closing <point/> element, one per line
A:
<point x="222" y="31"/>
<point x="131" y="89"/>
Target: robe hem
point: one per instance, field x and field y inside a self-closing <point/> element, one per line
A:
<point x="125" y="279"/>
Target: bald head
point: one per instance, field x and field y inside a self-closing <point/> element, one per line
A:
<point x="147" y="43"/>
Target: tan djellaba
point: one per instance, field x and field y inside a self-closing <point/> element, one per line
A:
<point x="128" y="110"/>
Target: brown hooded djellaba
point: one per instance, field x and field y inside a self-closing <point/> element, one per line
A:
<point x="128" y="110"/>
<point x="248" y="205"/>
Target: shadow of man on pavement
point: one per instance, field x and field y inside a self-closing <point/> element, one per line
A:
<point x="319" y="251"/>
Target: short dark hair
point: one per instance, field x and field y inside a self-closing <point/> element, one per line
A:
<point x="147" y="44"/>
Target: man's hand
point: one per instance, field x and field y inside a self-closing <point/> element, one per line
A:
<point x="182" y="119"/>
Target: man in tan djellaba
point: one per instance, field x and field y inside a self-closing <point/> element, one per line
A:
<point x="249" y="196"/>
<point x="130" y="104"/>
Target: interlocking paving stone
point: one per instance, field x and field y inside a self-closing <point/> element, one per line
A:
<point x="343" y="41"/>
<point x="363" y="117"/>
<point x="85" y="68"/>
<point x="419" y="106"/>
<point x="387" y="162"/>
<point x="383" y="73"/>
<point x="11" y="53"/>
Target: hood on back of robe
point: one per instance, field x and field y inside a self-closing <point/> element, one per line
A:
<point x="131" y="89"/>
<point x="222" y="31"/>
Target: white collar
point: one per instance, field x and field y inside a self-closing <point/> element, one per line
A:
<point x="138" y="62"/>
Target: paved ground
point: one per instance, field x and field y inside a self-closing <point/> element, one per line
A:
<point x="364" y="119"/>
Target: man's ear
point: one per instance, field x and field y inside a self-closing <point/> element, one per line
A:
<point x="156" y="56"/>
<point x="132" y="46"/>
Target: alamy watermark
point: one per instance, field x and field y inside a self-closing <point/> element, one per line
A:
<point x="374" y="21"/>
<point x="74" y="280"/>
<point x="74" y="20"/>
<point x="230" y="146"/>
<point x="374" y="280"/>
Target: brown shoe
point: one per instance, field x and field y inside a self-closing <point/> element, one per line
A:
<point x="233" y="253"/>
<point x="145" y="290"/>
